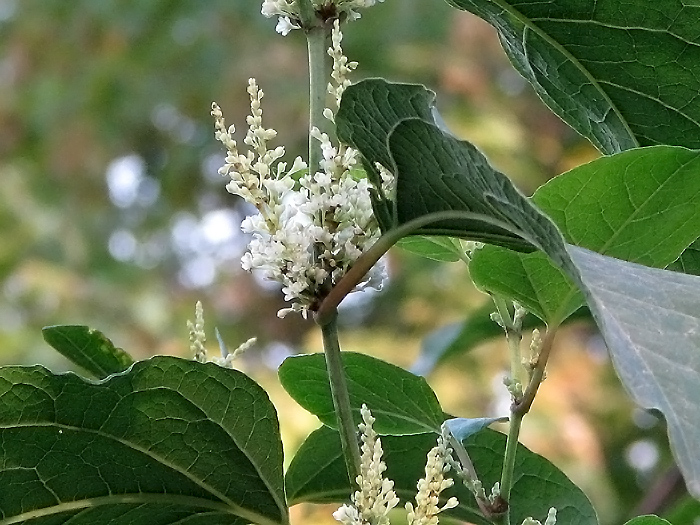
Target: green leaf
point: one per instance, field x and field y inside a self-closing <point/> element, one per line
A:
<point x="621" y="77"/>
<point x="442" y="249"/>
<point x="640" y="206"/>
<point x="444" y="186"/>
<point x="88" y="348"/>
<point x="684" y="511"/>
<point x="401" y="402"/>
<point x="689" y="261"/>
<point x="317" y="474"/>
<point x="650" y="319"/>
<point x="647" y="520"/>
<point x="168" y="438"/>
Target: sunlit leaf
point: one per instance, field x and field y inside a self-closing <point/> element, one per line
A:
<point x="401" y="402"/>
<point x="443" y="249"/>
<point x="640" y="206"/>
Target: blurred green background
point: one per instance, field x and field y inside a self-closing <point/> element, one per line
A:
<point x="113" y="215"/>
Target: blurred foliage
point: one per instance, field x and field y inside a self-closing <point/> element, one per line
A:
<point x="113" y="215"/>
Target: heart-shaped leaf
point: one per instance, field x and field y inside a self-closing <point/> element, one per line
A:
<point x="168" y="439"/>
<point x="401" y="402"/>
<point x="88" y="348"/>
<point x="620" y="77"/>
<point x="317" y="474"/>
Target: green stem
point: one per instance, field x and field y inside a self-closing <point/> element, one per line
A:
<point x="341" y="398"/>
<point x="516" y="421"/>
<point x="513" y="337"/>
<point x="307" y="14"/>
<point x="518" y="409"/>
<point x="318" y="86"/>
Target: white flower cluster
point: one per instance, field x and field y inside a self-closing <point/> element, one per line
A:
<point x="431" y="486"/>
<point x="289" y="17"/>
<point x="307" y="232"/>
<point x="376" y="497"/>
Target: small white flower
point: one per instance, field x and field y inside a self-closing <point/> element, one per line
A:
<point x="285" y="26"/>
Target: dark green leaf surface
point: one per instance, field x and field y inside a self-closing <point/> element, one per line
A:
<point x="651" y="322"/>
<point x="689" y="261"/>
<point x="88" y="348"/>
<point x="622" y="75"/>
<point x="401" y="402"/>
<point x="317" y="474"/>
<point x="647" y="520"/>
<point x="167" y="441"/>
<point x="640" y="206"/>
<point x="436" y="174"/>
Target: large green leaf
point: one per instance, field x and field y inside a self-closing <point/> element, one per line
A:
<point x="317" y="474"/>
<point x="621" y="75"/>
<point x="435" y="172"/>
<point x="651" y="323"/>
<point x="167" y="440"/>
<point x="639" y="205"/>
<point x="401" y="402"/>
<point x="88" y="348"/>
